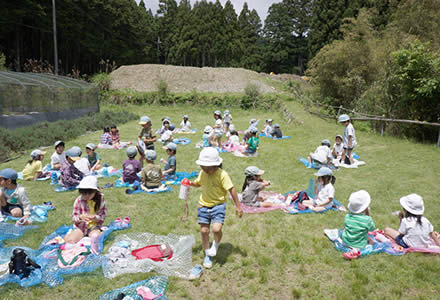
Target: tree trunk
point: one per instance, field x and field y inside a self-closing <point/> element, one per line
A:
<point x="17" y="44"/>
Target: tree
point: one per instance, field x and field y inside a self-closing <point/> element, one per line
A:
<point x="250" y="39"/>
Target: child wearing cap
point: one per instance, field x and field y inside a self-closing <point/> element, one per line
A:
<point x="268" y="128"/>
<point x="171" y="163"/>
<point x="185" y="125"/>
<point x="349" y="137"/>
<point x="252" y="143"/>
<point x="93" y="157"/>
<point x="415" y="230"/>
<point x="218" y="129"/>
<point x="338" y="147"/>
<point x="277" y="133"/>
<point x="131" y="166"/>
<point x="146" y="134"/>
<point x="206" y="139"/>
<point x="324" y="191"/>
<point x="215" y="184"/>
<point x="252" y="186"/>
<point x="59" y="156"/>
<point x="357" y="224"/>
<point x="89" y="212"/>
<point x="322" y="154"/>
<point x="70" y="175"/>
<point x="82" y="163"/>
<point x="166" y="135"/>
<point x="13" y="198"/>
<point x="227" y="120"/>
<point x="151" y="173"/>
<point x="34" y="167"/>
<point x="253" y="123"/>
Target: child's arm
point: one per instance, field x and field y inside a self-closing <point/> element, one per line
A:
<point x="25" y="203"/>
<point x="238" y="210"/>
<point x="435" y="237"/>
<point x="194" y="184"/>
<point x="95" y="165"/>
<point x="326" y="202"/>
<point x="350" y="138"/>
<point x="170" y="170"/>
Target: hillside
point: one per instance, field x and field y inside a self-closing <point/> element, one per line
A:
<point x="146" y="77"/>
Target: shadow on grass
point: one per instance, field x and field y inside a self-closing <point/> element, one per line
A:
<point x="224" y="251"/>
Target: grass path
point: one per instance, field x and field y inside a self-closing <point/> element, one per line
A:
<point x="272" y="255"/>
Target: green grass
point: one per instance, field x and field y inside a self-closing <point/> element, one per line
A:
<point x="264" y="256"/>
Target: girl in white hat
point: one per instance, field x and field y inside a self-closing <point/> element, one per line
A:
<point x="89" y="211"/>
<point x="218" y="129"/>
<point x="215" y="184"/>
<point x="415" y="230"/>
<point x="357" y="224"/>
<point x="323" y="189"/>
<point x="34" y="167"/>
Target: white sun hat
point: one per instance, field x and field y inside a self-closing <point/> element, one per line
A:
<point x="359" y="201"/>
<point x="209" y="157"/>
<point x="413" y="203"/>
<point x="88" y="183"/>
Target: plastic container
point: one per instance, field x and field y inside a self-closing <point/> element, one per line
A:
<point x="184" y="189"/>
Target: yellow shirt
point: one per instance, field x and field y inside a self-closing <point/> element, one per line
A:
<point x="214" y="187"/>
<point x="92" y="212"/>
<point x="32" y="168"/>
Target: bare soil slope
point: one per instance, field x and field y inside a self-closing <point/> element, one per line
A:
<point x="185" y="79"/>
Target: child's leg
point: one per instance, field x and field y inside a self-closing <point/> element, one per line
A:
<point x="310" y="158"/>
<point x="308" y="203"/>
<point x="342" y="155"/>
<point x="349" y="156"/>
<point x="204" y="231"/>
<point x="389" y="232"/>
<point x="74" y="237"/>
<point x="217" y="230"/>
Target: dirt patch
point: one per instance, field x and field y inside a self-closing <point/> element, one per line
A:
<point x="145" y="78"/>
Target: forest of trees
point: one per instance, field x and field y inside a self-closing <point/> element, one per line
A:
<point x="203" y="34"/>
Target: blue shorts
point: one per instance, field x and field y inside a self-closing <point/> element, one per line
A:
<point x="400" y="241"/>
<point x="348" y="149"/>
<point x="215" y="214"/>
<point x="250" y="151"/>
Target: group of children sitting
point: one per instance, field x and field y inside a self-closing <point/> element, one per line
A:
<point x="90" y="207"/>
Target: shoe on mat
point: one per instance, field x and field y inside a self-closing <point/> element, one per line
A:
<point x="207" y="262"/>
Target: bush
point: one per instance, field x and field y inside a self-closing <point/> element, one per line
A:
<point x="102" y="81"/>
<point x="2" y="62"/>
<point x="251" y="97"/>
<point x="43" y="134"/>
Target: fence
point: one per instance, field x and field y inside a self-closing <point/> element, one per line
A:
<point x="28" y="98"/>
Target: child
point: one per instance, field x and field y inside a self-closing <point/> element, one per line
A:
<point x="323" y="189"/>
<point x="151" y="174"/>
<point x="82" y="163"/>
<point x="106" y="137"/>
<point x="233" y="138"/>
<point x="131" y="166"/>
<point x="165" y="126"/>
<point x="246" y="137"/>
<point x="207" y="136"/>
<point x="89" y="211"/>
<point x="415" y="230"/>
<point x="268" y="129"/>
<point x="116" y="138"/>
<point x="171" y="163"/>
<point x="252" y="143"/>
<point x="218" y="129"/>
<point x="338" y="147"/>
<point x="227" y="120"/>
<point x="357" y="224"/>
<point x="185" y="124"/>
<point x="59" y="156"/>
<point x="167" y="135"/>
<point x="322" y="154"/>
<point x="252" y="186"/>
<point x="34" y="167"/>
<point x="13" y="198"/>
<point x="277" y="133"/>
<point x="146" y="134"/>
<point x="93" y="157"/>
<point x="216" y="184"/>
<point x="349" y="138"/>
<point x="253" y="123"/>
<point x="70" y="175"/>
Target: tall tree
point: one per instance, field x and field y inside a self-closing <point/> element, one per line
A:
<point x="250" y="38"/>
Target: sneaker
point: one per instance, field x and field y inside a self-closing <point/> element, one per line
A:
<point x="195" y="272"/>
<point x="353" y="254"/>
<point x="207" y="262"/>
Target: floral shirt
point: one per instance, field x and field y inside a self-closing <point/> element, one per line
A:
<point x="70" y="175"/>
<point x="81" y="207"/>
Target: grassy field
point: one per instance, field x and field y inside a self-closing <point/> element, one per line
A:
<point x="272" y="255"/>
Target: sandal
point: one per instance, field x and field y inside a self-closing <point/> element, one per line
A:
<point x="353" y="254"/>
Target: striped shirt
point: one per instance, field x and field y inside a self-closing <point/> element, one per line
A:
<point x="356" y="230"/>
<point x="81" y="207"/>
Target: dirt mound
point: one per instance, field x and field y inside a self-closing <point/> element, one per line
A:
<point x="146" y="78"/>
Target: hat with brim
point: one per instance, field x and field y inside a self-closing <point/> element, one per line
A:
<point x="150" y="155"/>
<point x="343" y="118"/>
<point x="144" y="120"/>
<point x="9" y="174"/>
<point x="73" y="154"/>
<point x="413" y="203"/>
<point x="209" y="157"/>
<point x="37" y="152"/>
<point x="90" y="146"/>
<point x="339" y="136"/>
<point x="253" y="171"/>
<point x="359" y="201"/>
<point x="325" y="142"/>
<point x="170" y="146"/>
<point x="88" y="183"/>
<point x="57" y="143"/>
<point x="324" y="171"/>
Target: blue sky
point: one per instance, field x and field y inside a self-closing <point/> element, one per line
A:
<point x="261" y="6"/>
